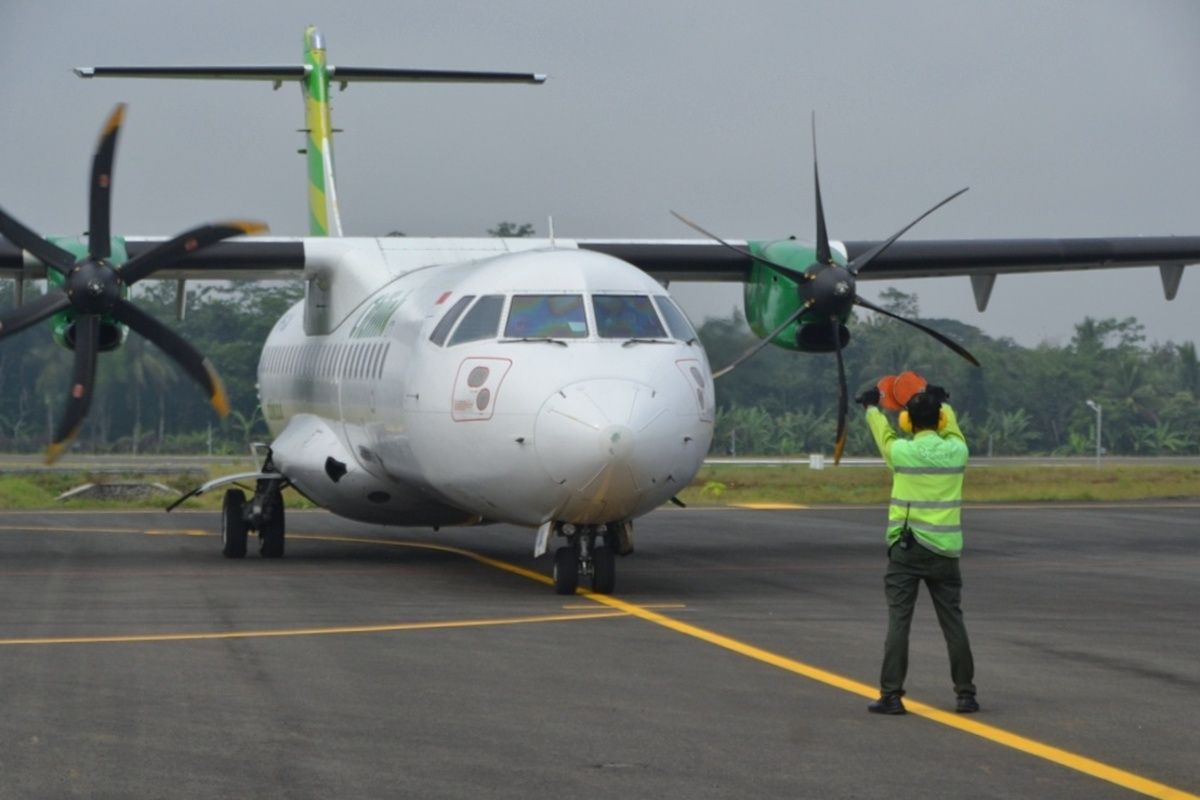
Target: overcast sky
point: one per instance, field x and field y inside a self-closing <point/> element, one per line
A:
<point x="1064" y="118"/>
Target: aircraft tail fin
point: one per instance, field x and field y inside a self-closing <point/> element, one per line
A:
<point x="324" y="218"/>
<point x="315" y="77"/>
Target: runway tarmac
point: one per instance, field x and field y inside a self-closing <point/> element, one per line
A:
<point x="735" y="660"/>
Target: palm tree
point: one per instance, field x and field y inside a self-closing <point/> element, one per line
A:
<point x="53" y="367"/>
<point x="147" y="368"/>
<point x="1158" y="439"/>
<point x="1009" y="431"/>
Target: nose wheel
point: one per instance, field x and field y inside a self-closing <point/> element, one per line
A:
<point x="588" y="553"/>
<point x="566" y="570"/>
<point x="263" y="512"/>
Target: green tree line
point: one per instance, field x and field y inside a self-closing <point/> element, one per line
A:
<point x="1023" y="400"/>
<point x="143" y="402"/>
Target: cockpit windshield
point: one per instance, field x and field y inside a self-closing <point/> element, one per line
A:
<point x="677" y="322"/>
<point x="546" y="316"/>
<point x="634" y="318"/>
<point x="626" y="316"/>
<point x="481" y="322"/>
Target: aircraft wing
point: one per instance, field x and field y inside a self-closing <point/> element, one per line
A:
<point x="259" y="258"/>
<point x="980" y="259"/>
<point x="265" y="258"/>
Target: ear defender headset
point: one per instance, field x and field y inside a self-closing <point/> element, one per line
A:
<point x="905" y="420"/>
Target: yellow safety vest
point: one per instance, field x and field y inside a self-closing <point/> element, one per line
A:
<point x="927" y="479"/>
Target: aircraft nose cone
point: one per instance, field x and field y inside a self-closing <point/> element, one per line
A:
<point x="617" y="441"/>
<point x="604" y="441"/>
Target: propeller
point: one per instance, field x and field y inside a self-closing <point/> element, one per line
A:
<point x="799" y="312"/>
<point x="93" y="288"/>
<point x="795" y="275"/>
<point x="828" y="291"/>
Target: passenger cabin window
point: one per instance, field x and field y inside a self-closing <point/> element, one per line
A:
<point x="677" y="322"/>
<point x="626" y="316"/>
<point x="481" y="322"/>
<point x="546" y="316"/>
<point x="442" y="330"/>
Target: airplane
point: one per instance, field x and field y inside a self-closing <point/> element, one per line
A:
<point x="549" y="383"/>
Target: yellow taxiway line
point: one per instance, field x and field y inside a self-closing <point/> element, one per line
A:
<point x="283" y="632"/>
<point x="619" y="607"/>
<point x="1056" y="755"/>
<point x="768" y="506"/>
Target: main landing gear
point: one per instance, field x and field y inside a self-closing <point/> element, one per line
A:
<point x="264" y="513"/>
<point x="590" y="551"/>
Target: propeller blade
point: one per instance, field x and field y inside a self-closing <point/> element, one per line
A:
<point x="46" y="252"/>
<point x="953" y="345"/>
<point x="763" y="342"/>
<point x="843" y="393"/>
<point x="99" y="213"/>
<point x="867" y="257"/>
<point x="799" y="277"/>
<point x="188" y="242"/>
<point x="824" y="254"/>
<point x="33" y="312"/>
<point x="198" y="368"/>
<point x="83" y="381"/>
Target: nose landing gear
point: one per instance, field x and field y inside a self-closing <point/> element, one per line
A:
<point x="590" y="551"/>
<point x="264" y="513"/>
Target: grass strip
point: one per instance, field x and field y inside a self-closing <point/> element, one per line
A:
<point x="715" y="485"/>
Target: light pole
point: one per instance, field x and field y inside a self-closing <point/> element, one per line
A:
<point x="1094" y="406"/>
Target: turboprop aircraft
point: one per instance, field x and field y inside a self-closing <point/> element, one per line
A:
<point x="549" y="383"/>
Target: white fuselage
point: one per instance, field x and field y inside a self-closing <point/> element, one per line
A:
<point x="585" y="422"/>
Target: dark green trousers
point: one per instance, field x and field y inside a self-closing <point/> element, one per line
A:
<point x="906" y="570"/>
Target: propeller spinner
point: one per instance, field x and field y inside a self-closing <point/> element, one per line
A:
<point x="828" y="291"/>
<point x="93" y="288"/>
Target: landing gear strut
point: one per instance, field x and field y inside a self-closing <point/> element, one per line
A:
<point x="589" y="551"/>
<point x="263" y="513"/>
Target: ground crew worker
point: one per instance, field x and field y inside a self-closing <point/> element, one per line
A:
<point x="924" y="537"/>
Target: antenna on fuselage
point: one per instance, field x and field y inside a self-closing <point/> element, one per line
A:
<point x="550" y="227"/>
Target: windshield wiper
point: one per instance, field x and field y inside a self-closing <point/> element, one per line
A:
<point x="637" y="340"/>
<point x="545" y="339"/>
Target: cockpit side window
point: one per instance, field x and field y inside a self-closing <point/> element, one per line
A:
<point x="442" y="330"/>
<point x="677" y="322"/>
<point x="546" y="316"/>
<point x="481" y="322"/>
<point x="626" y="316"/>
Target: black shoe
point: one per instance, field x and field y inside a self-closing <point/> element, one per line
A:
<point x="887" y="704"/>
<point x="966" y="704"/>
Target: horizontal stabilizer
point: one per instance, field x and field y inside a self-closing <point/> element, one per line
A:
<point x="277" y="73"/>
<point x="344" y="75"/>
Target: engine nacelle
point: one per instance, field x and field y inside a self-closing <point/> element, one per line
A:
<point x="818" y="338"/>
<point x="62" y="324"/>
<point x="770" y="297"/>
<point x="112" y="333"/>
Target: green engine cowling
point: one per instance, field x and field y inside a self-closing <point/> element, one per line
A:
<point x="771" y="297"/>
<point x="62" y="324"/>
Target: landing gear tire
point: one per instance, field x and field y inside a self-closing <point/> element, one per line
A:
<point x="270" y="536"/>
<point x="233" y="524"/>
<point x="566" y="570"/>
<point x="604" y="569"/>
